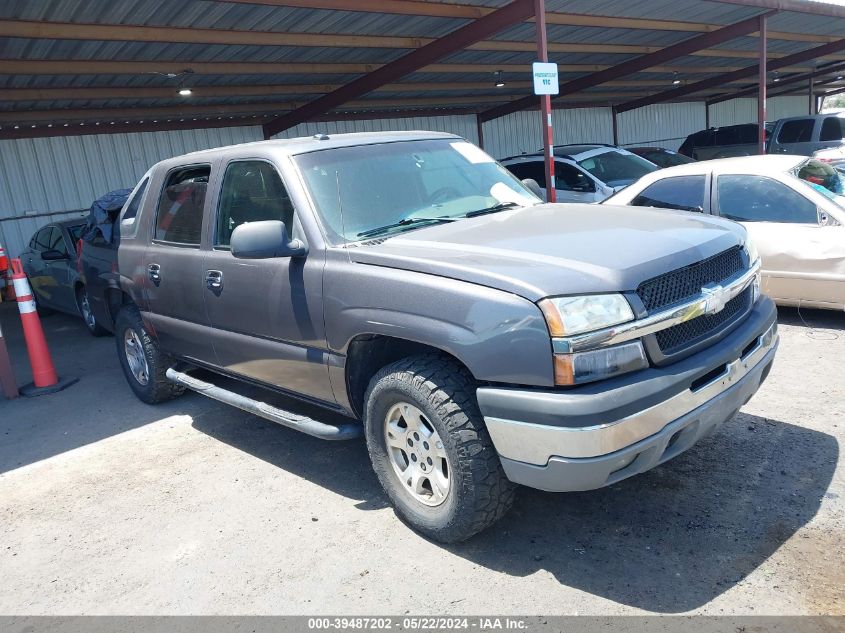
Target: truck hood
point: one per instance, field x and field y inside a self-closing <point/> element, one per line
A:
<point x="557" y="249"/>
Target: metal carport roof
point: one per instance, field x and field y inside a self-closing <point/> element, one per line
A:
<point x="70" y="67"/>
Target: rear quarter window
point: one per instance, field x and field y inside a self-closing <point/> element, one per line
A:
<point x="685" y="193"/>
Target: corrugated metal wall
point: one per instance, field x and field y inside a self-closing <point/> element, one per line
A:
<point x="462" y="125"/>
<point x="521" y="132"/>
<point x="745" y="110"/>
<point x="664" y="124"/>
<point x="60" y="174"/>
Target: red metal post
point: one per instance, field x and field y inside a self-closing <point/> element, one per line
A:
<point x="545" y="102"/>
<point x="761" y="89"/>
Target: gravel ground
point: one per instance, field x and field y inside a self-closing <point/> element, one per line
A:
<point x="110" y="506"/>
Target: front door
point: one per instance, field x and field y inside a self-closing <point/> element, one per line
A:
<point x="266" y="314"/>
<point x="173" y="266"/>
<point x="795" y="251"/>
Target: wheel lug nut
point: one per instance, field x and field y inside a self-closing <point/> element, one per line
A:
<point x="410" y="442"/>
<point x="430" y="463"/>
<point x="426" y="446"/>
<point x="416" y="436"/>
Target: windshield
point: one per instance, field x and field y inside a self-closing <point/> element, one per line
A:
<point x="617" y="169"/>
<point x="388" y="188"/>
<point x="824" y="178"/>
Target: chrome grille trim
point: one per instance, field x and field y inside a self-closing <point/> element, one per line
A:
<point x="700" y="305"/>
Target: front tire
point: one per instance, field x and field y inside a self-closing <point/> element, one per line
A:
<point x="431" y="451"/>
<point x="84" y="305"/>
<point x="143" y="363"/>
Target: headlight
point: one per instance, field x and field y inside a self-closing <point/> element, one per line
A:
<point x="566" y="316"/>
<point x="581" y="367"/>
<point x="751" y="250"/>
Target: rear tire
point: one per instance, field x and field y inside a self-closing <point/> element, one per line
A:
<point x="143" y="363"/>
<point x="452" y="487"/>
<point x="84" y="305"/>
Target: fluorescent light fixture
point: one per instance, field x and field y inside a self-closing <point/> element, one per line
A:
<point x="186" y="92"/>
<point x="499" y="83"/>
<point x="676" y="81"/>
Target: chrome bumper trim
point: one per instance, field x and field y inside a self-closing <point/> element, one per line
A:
<point x="711" y="300"/>
<point x="537" y="443"/>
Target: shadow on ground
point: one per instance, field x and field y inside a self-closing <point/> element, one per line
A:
<point x="812" y="319"/>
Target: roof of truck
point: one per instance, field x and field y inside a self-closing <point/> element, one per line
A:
<point x="321" y="141"/>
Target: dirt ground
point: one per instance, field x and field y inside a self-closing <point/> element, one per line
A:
<point x="111" y="506"/>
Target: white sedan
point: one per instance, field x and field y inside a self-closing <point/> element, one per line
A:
<point x="792" y="206"/>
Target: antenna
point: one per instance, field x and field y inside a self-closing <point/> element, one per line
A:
<point x="340" y="210"/>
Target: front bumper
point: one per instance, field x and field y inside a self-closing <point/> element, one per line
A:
<point x="598" y="434"/>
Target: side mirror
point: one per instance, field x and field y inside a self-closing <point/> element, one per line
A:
<point x="52" y="255"/>
<point x="533" y="187"/>
<point x="264" y="240"/>
<point x="825" y="219"/>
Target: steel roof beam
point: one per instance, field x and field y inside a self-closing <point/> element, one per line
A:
<point x="473" y="12"/>
<point x="185" y="35"/>
<point x="706" y="40"/>
<point x="120" y="67"/>
<point x="457" y="40"/>
<point x="784" y="81"/>
<point x="713" y="82"/>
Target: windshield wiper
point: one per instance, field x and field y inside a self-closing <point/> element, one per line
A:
<point x="403" y="222"/>
<point x="494" y="209"/>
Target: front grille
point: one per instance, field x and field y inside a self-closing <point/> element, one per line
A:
<point x="676" y="338"/>
<point x="686" y="283"/>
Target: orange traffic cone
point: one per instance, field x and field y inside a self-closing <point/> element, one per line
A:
<point x="44" y="378"/>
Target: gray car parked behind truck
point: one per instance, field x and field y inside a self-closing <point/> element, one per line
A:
<point x="476" y="336"/>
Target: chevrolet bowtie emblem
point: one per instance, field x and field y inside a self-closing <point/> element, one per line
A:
<point x="715" y="298"/>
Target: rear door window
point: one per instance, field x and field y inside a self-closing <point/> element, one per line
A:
<point x="569" y="178"/>
<point x="748" y="198"/>
<point x="530" y="169"/>
<point x="180" y="207"/>
<point x="797" y="131"/>
<point x="685" y="193"/>
<point x="727" y="136"/>
<point x="833" y="129"/>
<point x="57" y="241"/>
<point x="41" y="241"/>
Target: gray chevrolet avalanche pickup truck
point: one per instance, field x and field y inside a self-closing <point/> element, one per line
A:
<point x="477" y="337"/>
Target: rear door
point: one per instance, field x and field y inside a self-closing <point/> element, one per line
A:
<point x="783" y="224"/>
<point x="36" y="269"/>
<point x="794" y="136"/>
<point x="831" y="132"/>
<point x="266" y="314"/>
<point x="173" y="265"/>
<point x="574" y="185"/>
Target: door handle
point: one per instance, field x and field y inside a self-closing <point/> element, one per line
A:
<point x="214" y="279"/>
<point x="154" y="273"/>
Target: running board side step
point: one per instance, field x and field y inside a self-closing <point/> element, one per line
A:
<point x="266" y="411"/>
